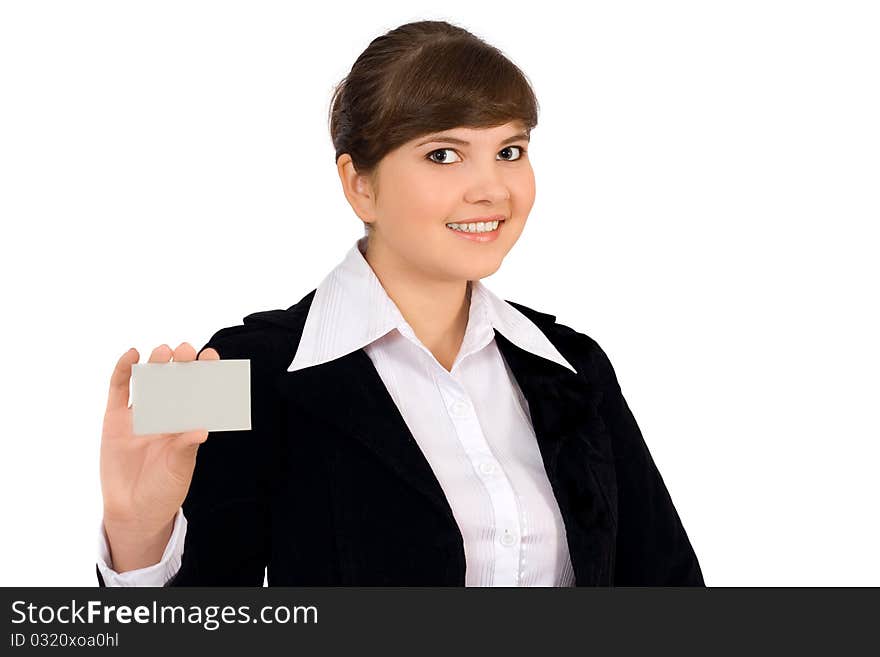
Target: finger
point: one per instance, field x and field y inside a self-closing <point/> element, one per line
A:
<point x="209" y="354"/>
<point x="119" y="380"/>
<point x="185" y="352"/>
<point x="189" y="438"/>
<point x="161" y="354"/>
<point x="183" y="449"/>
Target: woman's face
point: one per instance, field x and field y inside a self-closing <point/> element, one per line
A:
<point x="459" y="175"/>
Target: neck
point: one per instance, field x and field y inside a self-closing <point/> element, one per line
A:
<point x="437" y="310"/>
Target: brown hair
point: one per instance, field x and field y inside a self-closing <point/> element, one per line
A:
<point x="420" y="78"/>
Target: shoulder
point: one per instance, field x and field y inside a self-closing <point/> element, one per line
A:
<point x="269" y="338"/>
<point x="579" y="348"/>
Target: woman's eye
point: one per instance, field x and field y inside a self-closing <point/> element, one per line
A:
<point x="444" y="159"/>
<point x="519" y="148"/>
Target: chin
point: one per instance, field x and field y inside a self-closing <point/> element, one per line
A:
<point x="482" y="272"/>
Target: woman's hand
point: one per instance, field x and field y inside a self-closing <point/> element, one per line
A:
<point x="144" y="479"/>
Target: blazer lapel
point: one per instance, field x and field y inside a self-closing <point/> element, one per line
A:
<point x="349" y="394"/>
<point x="577" y="453"/>
<point x="562" y="405"/>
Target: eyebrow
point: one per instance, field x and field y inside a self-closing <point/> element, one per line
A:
<point x="455" y="140"/>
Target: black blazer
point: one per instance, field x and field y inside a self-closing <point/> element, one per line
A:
<point x="329" y="487"/>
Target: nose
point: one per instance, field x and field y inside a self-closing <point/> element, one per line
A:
<point x="488" y="183"/>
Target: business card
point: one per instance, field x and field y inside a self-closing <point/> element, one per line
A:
<point x="183" y="396"/>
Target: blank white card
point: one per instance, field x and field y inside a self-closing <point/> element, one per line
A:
<point x="201" y="394"/>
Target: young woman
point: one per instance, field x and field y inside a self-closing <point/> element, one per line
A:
<point x="408" y="426"/>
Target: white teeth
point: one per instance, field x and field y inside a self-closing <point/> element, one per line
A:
<point x="478" y="227"/>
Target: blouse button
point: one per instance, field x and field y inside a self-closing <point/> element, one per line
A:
<point x="507" y="539"/>
<point x="486" y="467"/>
<point x="459" y="408"/>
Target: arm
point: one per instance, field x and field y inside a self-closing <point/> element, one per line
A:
<point x="156" y="575"/>
<point x="653" y="548"/>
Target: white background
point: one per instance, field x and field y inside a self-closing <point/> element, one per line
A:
<point x="707" y="210"/>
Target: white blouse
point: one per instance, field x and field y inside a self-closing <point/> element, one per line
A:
<point x="471" y="422"/>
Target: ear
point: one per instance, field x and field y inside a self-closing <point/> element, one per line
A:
<point x="359" y="189"/>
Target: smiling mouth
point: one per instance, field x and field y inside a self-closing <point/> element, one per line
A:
<point x="476" y="227"/>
